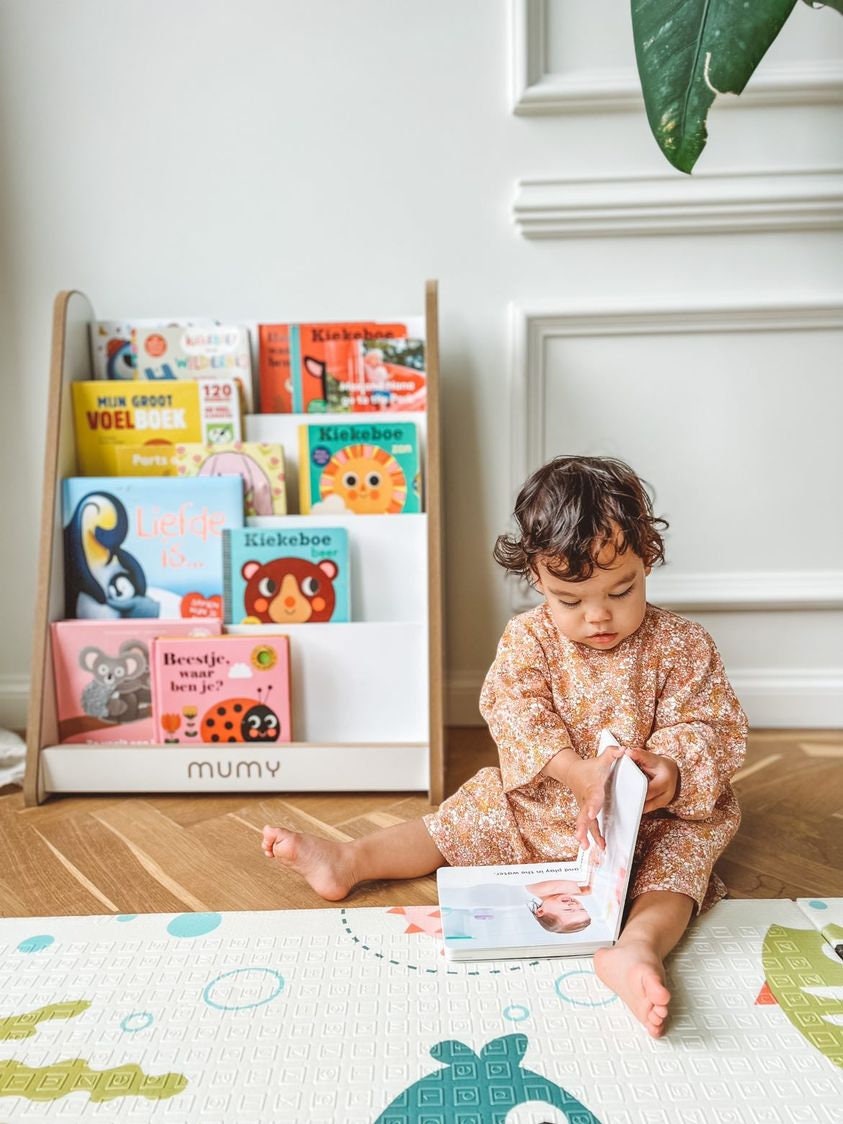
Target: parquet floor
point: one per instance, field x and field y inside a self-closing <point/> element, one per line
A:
<point x="78" y="855"/>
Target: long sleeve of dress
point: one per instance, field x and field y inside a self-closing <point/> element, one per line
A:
<point x="700" y="725"/>
<point x="517" y="704"/>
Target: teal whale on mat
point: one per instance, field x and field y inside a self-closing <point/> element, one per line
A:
<point x="483" y="1087"/>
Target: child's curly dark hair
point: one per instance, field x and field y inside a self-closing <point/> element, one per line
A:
<point x="574" y="506"/>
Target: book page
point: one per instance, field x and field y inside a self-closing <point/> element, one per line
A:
<point x="619" y="820"/>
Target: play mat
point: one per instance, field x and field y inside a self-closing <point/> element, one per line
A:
<point x="353" y="1016"/>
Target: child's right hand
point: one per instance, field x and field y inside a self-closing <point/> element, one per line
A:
<point x="587" y="780"/>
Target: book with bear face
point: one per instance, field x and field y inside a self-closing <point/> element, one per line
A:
<point x="222" y="690"/>
<point x="286" y="575"/>
<point x="102" y="676"/>
<point x="146" y="546"/>
<point x="359" y="467"/>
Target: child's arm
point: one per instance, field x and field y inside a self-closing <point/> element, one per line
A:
<point x="517" y="705"/>
<point x="586" y="778"/>
<point x="699" y="726"/>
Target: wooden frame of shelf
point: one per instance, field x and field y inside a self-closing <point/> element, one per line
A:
<point x="388" y="764"/>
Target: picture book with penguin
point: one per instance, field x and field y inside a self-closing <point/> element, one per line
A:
<point x="146" y="546"/>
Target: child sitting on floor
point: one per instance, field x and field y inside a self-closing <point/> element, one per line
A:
<point x="594" y="654"/>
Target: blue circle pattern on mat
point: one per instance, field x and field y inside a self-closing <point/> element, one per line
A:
<point x="125" y="917"/>
<point x="37" y="943"/>
<point x="246" y="1000"/>
<point x="193" y="924"/>
<point x="818" y="905"/>
<point x="137" y="1020"/>
<point x="516" y="1012"/>
<point x="581" y="1002"/>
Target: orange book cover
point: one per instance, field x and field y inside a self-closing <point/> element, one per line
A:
<point x="296" y="360"/>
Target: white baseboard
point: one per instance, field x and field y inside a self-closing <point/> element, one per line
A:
<point x="14" y="701"/>
<point x="809" y="698"/>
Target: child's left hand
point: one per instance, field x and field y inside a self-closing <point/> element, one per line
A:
<point x="662" y="775"/>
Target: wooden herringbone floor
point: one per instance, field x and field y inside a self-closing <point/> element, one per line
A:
<point x="78" y="855"/>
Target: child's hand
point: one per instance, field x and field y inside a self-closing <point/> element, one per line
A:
<point x="587" y="780"/>
<point x="662" y="777"/>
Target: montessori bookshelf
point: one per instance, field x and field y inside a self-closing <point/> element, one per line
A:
<point x="367" y="695"/>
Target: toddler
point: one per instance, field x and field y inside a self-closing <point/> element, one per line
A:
<point x="594" y="654"/>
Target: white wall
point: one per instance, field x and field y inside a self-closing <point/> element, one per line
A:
<point x="287" y="160"/>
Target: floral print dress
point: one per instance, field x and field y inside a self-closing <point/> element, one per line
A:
<point x="663" y="688"/>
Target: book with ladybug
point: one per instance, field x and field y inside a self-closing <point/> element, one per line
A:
<point x="218" y="690"/>
<point x="285" y="575"/>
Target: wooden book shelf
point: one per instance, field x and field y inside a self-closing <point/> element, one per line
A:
<point x="367" y="696"/>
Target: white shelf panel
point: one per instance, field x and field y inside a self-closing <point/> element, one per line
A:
<point x="205" y="768"/>
<point x="388" y="561"/>
<point x="357" y="682"/>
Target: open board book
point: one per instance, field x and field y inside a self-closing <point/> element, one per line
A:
<point x="501" y="912"/>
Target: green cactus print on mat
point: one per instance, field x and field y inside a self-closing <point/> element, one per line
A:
<point x="482" y="1087"/>
<point x="49" y="1082"/>
<point x="806" y="977"/>
<point x="24" y="1026"/>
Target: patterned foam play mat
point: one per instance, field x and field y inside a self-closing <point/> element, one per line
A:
<point x="354" y="1016"/>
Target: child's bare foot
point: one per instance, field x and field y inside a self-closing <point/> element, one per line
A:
<point x="324" y="864"/>
<point x="636" y="974"/>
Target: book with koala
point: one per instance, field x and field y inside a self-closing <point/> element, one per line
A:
<point x="285" y="575"/>
<point x="102" y="676"/>
<point x="360" y="467"/>
<point x="222" y="689"/>
<point x="146" y="546"/>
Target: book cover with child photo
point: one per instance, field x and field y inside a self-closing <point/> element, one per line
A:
<point x="146" y="546"/>
<point x="221" y="690"/>
<point x="282" y="575"/>
<point x="554" y="908"/>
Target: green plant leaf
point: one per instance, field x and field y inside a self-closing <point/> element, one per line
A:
<point x="688" y="51"/>
<point x="836" y="4"/>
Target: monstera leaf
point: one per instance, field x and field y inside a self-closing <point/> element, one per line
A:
<point x="688" y="51"/>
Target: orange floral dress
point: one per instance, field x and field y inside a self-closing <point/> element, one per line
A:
<point x="663" y="688"/>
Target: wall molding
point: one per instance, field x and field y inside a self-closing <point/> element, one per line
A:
<point x="532" y="328"/>
<point x="534" y="91"/>
<point x="727" y="591"/>
<point x="670" y="204"/>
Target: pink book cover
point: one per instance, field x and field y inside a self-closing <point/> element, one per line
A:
<point x="217" y="690"/>
<point x="102" y="674"/>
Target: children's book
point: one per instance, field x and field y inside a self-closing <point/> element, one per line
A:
<point x="103" y="681"/>
<point x="280" y="575"/>
<point x="380" y="376"/>
<point x="146" y="547"/>
<point x="367" y="468"/>
<point x="260" y="465"/>
<point x="222" y="689"/>
<point x="106" y="415"/>
<point x="113" y="347"/>
<point x="196" y="352"/>
<point x="296" y="361"/>
<point x="554" y="908"/>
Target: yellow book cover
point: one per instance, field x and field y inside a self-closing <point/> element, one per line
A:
<point x="138" y="412"/>
<point x="261" y="465"/>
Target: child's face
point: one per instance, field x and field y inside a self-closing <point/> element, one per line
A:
<point x="564" y="908"/>
<point x="603" y="610"/>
